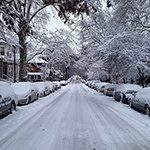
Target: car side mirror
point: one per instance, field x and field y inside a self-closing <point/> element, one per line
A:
<point x="134" y="94"/>
<point x="32" y="90"/>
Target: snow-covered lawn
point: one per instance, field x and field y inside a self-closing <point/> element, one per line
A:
<point x="75" y="118"/>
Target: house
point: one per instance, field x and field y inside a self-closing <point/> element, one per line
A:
<point x="37" y="68"/>
<point x="7" y="61"/>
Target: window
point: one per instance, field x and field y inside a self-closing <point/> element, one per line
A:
<point x="9" y="54"/>
<point x="2" y="52"/>
<point x="39" y="77"/>
<point x="32" y="77"/>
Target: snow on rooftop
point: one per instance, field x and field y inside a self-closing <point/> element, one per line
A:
<point x="38" y="59"/>
<point x="35" y="73"/>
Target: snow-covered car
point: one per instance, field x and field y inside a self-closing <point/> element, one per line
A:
<point x="129" y="94"/>
<point x="141" y="101"/>
<point x="100" y="85"/>
<point x="51" y="86"/>
<point x="43" y="88"/>
<point x="63" y="83"/>
<point x="57" y="85"/>
<point x="109" y="89"/>
<point x="94" y="83"/>
<point x="88" y="83"/>
<point x="102" y="88"/>
<point x="8" y="98"/>
<point x="26" y="92"/>
<point x="125" y="91"/>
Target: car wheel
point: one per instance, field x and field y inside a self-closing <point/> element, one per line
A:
<point x="44" y="93"/>
<point x="130" y="104"/>
<point x="28" y="100"/>
<point x="37" y="97"/>
<point x="147" y="111"/>
<point x="12" y="107"/>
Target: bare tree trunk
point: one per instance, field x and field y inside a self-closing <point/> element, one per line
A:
<point x="22" y="35"/>
<point x="66" y="73"/>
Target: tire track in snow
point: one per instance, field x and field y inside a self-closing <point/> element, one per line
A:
<point x="80" y="119"/>
<point x="131" y="134"/>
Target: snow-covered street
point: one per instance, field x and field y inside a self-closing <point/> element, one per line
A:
<point x="75" y="118"/>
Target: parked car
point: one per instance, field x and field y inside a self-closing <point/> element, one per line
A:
<point x="63" y="83"/>
<point x="102" y="88"/>
<point x="94" y="83"/>
<point x="99" y="86"/>
<point x="8" y="98"/>
<point x="141" y="101"/>
<point x="109" y="89"/>
<point x="51" y="85"/>
<point x="89" y="83"/>
<point x="57" y="85"/>
<point x="129" y="94"/>
<point x="43" y="88"/>
<point x="125" y="91"/>
<point x="26" y="92"/>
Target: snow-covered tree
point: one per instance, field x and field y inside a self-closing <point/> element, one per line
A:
<point x="19" y="15"/>
<point x="60" y="54"/>
<point x="120" y="45"/>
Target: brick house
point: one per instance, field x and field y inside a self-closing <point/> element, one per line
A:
<point x="37" y="68"/>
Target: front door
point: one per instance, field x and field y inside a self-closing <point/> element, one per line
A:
<point x="5" y="70"/>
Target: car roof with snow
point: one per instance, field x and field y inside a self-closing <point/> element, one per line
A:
<point x="6" y="90"/>
<point x="127" y="87"/>
<point x="22" y="88"/>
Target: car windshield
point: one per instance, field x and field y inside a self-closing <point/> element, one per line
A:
<point x="22" y="88"/>
<point x="145" y="92"/>
<point x="130" y="92"/>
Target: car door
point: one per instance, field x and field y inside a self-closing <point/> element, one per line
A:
<point x="7" y="103"/>
<point x="47" y="90"/>
<point x="2" y="106"/>
<point x="141" y="104"/>
<point x="33" y="95"/>
<point x="138" y="104"/>
<point x="135" y="102"/>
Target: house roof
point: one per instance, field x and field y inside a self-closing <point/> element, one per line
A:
<point x="35" y="73"/>
<point x="2" y="41"/>
<point x="38" y="59"/>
